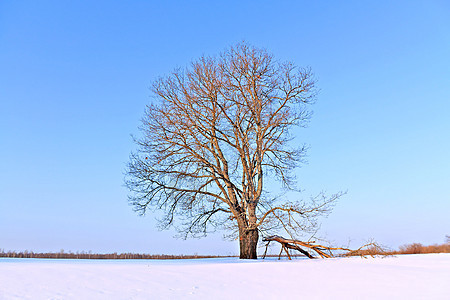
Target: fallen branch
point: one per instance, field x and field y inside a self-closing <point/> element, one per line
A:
<point x="323" y="251"/>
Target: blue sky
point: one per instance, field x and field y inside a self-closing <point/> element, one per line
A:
<point x="75" y="78"/>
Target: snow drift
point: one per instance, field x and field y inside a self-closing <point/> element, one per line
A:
<point x="425" y="276"/>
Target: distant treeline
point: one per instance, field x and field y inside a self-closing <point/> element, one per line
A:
<point x="84" y="255"/>
<point x="415" y="248"/>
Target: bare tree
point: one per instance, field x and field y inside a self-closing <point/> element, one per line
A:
<point x="215" y="133"/>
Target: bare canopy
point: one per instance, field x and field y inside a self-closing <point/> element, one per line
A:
<point x="214" y="134"/>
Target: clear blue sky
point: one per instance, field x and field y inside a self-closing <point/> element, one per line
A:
<point x="74" y="82"/>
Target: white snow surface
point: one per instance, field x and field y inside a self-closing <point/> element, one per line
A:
<point x="425" y="276"/>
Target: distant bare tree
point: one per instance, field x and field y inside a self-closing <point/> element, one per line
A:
<point x="214" y="134"/>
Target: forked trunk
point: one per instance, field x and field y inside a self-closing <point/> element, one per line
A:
<point x="248" y="242"/>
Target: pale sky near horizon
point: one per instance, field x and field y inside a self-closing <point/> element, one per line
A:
<point x="75" y="78"/>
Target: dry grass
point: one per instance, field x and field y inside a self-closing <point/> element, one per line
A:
<point x="414" y="248"/>
<point x="417" y="248"/>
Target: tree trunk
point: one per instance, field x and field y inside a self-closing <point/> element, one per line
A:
<point x="248" y="242"/>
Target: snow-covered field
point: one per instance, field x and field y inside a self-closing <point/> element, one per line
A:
<point x="425" y="276"/>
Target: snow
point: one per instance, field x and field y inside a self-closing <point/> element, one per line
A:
<point x="425" y="276"/>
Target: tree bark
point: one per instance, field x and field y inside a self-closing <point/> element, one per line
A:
<point x="248" y="242"/>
